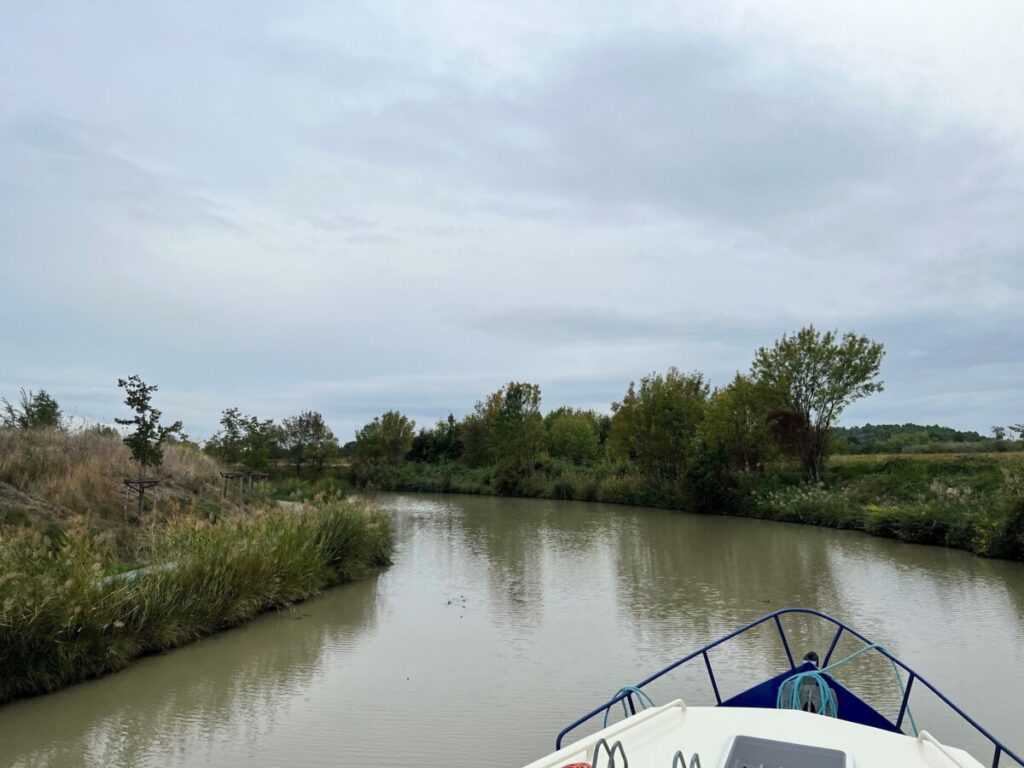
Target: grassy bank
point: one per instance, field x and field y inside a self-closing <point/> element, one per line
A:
<point x="62" y="622"/>
<point x="975" y="503"/>
<point x="59" y="478"/>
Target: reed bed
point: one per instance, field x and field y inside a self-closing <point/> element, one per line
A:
<point x="62" y="619"/>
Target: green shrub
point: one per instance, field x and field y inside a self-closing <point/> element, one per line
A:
<point x="620" y="489"/>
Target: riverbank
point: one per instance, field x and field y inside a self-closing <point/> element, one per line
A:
<point x="974" y="503"/>
<point x="62" y="622"/>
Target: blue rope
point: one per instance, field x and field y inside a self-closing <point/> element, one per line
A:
<point x="645" y="701"/>
<point x="829" y="705"/>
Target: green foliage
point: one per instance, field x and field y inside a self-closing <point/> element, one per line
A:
<point x="737" y="424"/>
<point x="147" y="440"/>
<point x="573" y="435"/>
<point x="306" y="438"/>
<point x="656" y="426"/>
<point x="440" y="444"/>
<point x="36" y="410"/>
<point x="61" y="621"/>
<point x="516" y="433"/>
<point x="672" y="443"/>
<point x="475" y="437"/>
<point x="384" y="442"/>
<point x="244" y="440"/>
<point x="907" y="438"/>
<point x="812" y="377"/>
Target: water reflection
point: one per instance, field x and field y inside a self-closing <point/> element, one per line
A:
<point x="503" y="619"/>
<point x="159" y="711"/>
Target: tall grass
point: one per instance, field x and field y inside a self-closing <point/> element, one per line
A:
<point x="62" y="621"/>
<point x="307" y="489"/>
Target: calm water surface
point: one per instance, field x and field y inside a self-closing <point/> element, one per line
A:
<point x="503" y="619"/>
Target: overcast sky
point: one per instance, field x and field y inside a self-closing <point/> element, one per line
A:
<point x="351" y="208"/>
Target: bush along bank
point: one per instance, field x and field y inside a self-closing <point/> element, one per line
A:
<point x="975" y="503"/>
<point x="62" y="621"/>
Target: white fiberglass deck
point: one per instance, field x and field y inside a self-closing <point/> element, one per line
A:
<point x="652" y="738"/>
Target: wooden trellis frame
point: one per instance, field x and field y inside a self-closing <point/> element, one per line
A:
<point x="139" y="485"/>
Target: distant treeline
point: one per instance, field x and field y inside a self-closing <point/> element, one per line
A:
<point x="917" y="438"/>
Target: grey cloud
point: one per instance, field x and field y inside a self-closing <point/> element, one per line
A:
<point x="63" y="157"/>
<point x="693" y="126"/>
<point x="558" y="326"/>
<point x="282" y="209"/>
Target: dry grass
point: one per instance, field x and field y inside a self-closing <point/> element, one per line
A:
<point x="80" y="473"/>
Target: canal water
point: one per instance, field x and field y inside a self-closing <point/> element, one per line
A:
<point x="502" y="620"/>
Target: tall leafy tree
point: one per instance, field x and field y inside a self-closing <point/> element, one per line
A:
<point x="228" y="443"/>
<point x="812" y="377"/>
<point x="475" y="436"/>
<point x="737" y="422"/>
<point x="573" y="435"/>
<point x="147" y="439"/>
<point x="307" y="438"/>
<point x="36" y="410"/>
<point x="260" y="438"/>
<point x="386" y="440"/>
<point x="517" y="431"/>
<point x="244" y="440"/>
<point x="656" y="424"/>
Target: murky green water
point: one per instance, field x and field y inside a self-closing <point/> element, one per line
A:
<point x="502" y="620"/>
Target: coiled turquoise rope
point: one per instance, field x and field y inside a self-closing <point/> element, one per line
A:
<point x="829" y="705"/>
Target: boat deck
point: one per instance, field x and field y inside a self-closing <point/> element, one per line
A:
<point x="652" y="738"/>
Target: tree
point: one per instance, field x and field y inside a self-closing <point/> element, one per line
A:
<point x="811" y="378"/>
<point x="573" y="435"/>
<point x="655" y="426"/>
<point x="243" y="439"/>
<point x="307" y="437"/>
<point x="475" y="437"/>
<point x="999" y="433"/>
<point x="385" y="441"/>
<point x="36" y="410"/>
<point x="438" y="444"/>
<point x="259" y="439"/>
<point x="737" y="423"/>
<point x="1017" y="429"/>
<point x="147" y="440"/>
<point x="516" y="432"/>
<point x="227" y="444"/>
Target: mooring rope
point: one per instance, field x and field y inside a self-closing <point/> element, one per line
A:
<point x="645" y="701"/>
<point x="829" y="704"/>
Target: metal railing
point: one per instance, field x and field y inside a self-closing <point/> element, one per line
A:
<point x="627" y="694"/>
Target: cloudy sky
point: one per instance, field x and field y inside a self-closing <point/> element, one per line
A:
<point x="350" y="208"/>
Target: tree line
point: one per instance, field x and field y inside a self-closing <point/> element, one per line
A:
<point x="673" y="429"/>
<point x="921" y="438"/>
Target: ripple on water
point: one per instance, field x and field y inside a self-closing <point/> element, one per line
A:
<point x="503" y="619"/>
